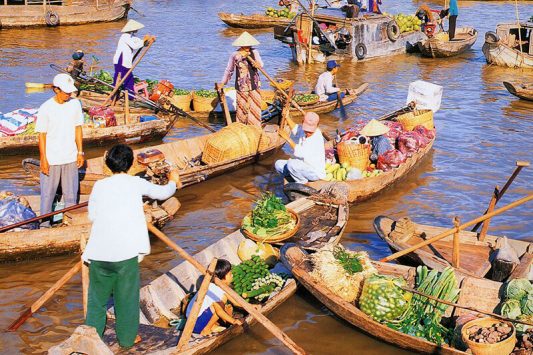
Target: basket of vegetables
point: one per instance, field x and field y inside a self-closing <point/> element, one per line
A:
<point x="306" y="99"/>
<point x="204" y="100"/>
<point x="182" y="98"/>
<point x="270" y="221"/>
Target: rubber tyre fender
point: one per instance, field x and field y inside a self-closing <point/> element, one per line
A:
<point x="393" y="31"/>
<point x="491" y="37"/>
<point x="295" y="191"/>
<point x="51" y="18"/>
<point x="360" y="51"/>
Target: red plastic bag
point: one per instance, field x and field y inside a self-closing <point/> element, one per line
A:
<point x="395" y="129"/>
<point x="427" y="133"/>
<point x="391" y="159"/>
<point x="409" y="142"/>
<point x="103" y="113"/>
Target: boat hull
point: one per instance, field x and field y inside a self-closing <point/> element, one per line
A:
<point x="254" y="21"/>
<point x="502" y="55"/>
<point x="520" y="90"/>
<point x="435" y="48"/>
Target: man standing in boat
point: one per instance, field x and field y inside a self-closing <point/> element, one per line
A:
<point x="59" y="123"/>
<point x="454" y="12"/>
<point x="123" y="59"/>
<point x="325" y="88"/>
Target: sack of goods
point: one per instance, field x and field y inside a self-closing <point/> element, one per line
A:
<point x="234" y="141"/>
<point x="14" y="209"/>
<point x="102" y="116"/>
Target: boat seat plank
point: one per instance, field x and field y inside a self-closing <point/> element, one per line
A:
<point x="523" y="269"/>
<point x="481" y="294"/>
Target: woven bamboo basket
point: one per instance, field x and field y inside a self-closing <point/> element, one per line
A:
<point x="355" y="154"/>
<point x="504" y="347"/>
<point x="277" y="238"/>
<point x="231" y="142"/>
<point x="203" y="104"/>
<point x="182" y="101"/>
<point x="412" y="119"/>
<point x="307" y="103"/>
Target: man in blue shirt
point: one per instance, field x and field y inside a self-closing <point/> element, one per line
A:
<point x="454" y="12"/>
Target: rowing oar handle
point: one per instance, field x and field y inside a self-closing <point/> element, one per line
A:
<point x="38" y="218"/>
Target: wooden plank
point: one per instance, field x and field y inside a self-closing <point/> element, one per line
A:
<point x="522" y="270"/>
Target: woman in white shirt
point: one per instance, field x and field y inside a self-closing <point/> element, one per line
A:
<point x="123" y="59"/>
<point x="118" y="241"/>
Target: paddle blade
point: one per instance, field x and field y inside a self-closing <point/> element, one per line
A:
<point x="341" y="108"/>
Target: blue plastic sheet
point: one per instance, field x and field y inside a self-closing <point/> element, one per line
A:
<point x="12" y="211"/>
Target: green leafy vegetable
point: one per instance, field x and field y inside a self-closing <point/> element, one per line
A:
<point x="180" y="92"/>
<point x="511" y="309"/>
<point x="518" y="288"/>
<point x="349" y="262"/>
<point x="383" y="299"/>
<point x="526" y="305"/>
<point x="269" y="217"/>
<point x="208" y="94"/>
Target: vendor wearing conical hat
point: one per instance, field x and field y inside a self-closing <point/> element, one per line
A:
<point x="123" y="59"/>
<point x="376" y="131"/>
<point x="247" y="81"/>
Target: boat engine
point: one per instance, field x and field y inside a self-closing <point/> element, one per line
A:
<point x="157" y="168"/>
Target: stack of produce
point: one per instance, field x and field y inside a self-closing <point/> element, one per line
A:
<point x="102" y="75"/>
<point x="518" y="302"/>
<point x="269" y="218"/>
<point x="383" y="298"/>
<point x="343" y="172"/>
<point x="408" y="23"/>
<point x="391" y="159"/>
<point x="284" y="12"/>
<point x="524" y="345"/>
<point x="489" y="335"/>
<point x="248" y="248"/>
<point x="306" y="99"/>
<point x="253" y="280"/>
<point x="342" y="271"/>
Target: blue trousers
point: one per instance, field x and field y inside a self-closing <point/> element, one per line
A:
<point x="333" y="97"/>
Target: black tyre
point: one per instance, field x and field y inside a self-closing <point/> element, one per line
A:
<point x="295" y="191"/>
<point x="393" y="31"/>
<point x="51" y="18"/>
<point x="360" y="51"/>
<point x="491" y="37"/>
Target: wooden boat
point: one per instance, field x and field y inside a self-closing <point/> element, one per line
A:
<point x="18" y="245"/>
<point x="504" y="48"/>
<point x="478" y="293"/>
<point x="521" y="90"/>
<point x="57" y="13"/>
<point x="363" y="189"/>
<point x="91" y="98"/>
<point x="254" y="21"/>
<point x="130" y="133"/>
<point x="164" y="294"/>
<point x="477" y="255"/>
<point x="434" y="47"/>
<point x="182" y="153"/>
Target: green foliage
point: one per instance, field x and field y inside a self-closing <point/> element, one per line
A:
<point x="383" y="299"/>
<point x="208" y="94"/>
<point x="305" y="98"/>
<point x="349" y="262"/>
<point x="180" y="92"/>
<point x="511" y="309"/>
<point x="247" y="272"/>
<point x="518" y="289"/>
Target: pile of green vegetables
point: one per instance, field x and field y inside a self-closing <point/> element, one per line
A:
<point x="101" y="75"/>
<point x="348" y="261"/>
<point x="383" y="299"/>
<point x="252" y="280"/>
<point x="518" y="302"/>
<point x="181" y="92"/>
<point x="207" y="94"/>
<point x="269" y="217"/>
<point x="271" y="12"/>
<point x="305" y="98"/>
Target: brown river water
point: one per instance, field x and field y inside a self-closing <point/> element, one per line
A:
<point x="482" y="131"/>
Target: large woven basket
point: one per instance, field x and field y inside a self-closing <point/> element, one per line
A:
<point x="182" y="101"/>
<point x="412" y="119"/>
<point x="202" y="104"/>
<point x="355" y="154"/>
<point x="277" y="238"/>
<point x="231" y="142"/>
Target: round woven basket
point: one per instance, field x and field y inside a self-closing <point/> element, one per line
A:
<point x="308" y="103"/>
<point x="355" y="154"/>
<point x="182" y="101"/>
<point x="277" y="238"/>
<point x="412" y="119"/>
<point x="231" y="142"/>
<point x="504" y="347"/>
<point x="203" y="104"/>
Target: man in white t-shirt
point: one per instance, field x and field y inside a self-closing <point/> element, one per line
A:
<point x="59" y="124"/>
<point x="309" y="162"/>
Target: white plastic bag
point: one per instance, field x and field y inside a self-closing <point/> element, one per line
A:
<point x="507" y="253"/>
<point x="231" y="100"/>
<point x="426" y="95"/>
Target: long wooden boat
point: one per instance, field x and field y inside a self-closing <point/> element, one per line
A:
<point x="254" y="21"/>
<point x="434" y="47"/>
<point x="161" y="297"/>
<point x="57" y="13"/>
<point x="521" y="90"/>
<point x="90" y="99"/>
<point x="181" y="153"/>
<point x="478" y="293"/>
<point x="130" y="133"/>
<point x="503" y="48"/>
<point x="363" y="189"/>
<point x="23" y="244"/>
<point x="476" y="256"/>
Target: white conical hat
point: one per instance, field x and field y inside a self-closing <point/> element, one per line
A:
<point x="131" y="26"/>
<point x="374" y="128"/>
<point x="245" y="40"/>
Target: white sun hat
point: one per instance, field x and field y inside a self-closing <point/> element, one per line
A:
<point x="374" y="128"/>
<point x="131" y="26"/>
<point x="65" y="83"/>
<point x="245" y="40"/>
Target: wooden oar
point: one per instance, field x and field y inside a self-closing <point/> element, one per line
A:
<point x="461" y="227"/>
<point x="278" y="333"/>
<point x="342" y="109"/>
<point x="223" y="102"/>
<point x="38" y="86"/>
<point x="42" y="300"/>
<point x="38" y="218"/>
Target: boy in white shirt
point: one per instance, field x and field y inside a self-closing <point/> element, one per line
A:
<point x="118" y="241"/>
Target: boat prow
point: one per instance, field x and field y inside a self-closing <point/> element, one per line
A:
<point x="254" y="21"/>
<point x="521" y="90"/>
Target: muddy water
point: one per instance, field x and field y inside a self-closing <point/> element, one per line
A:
<point x="482" y="131"/>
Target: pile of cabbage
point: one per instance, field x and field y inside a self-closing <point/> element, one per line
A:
<point x="518" y="302"/>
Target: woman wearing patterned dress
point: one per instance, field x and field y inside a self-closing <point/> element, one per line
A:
<point x="247" y="81"/>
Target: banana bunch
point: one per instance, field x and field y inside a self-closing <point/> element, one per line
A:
<point x="337" y="172"/>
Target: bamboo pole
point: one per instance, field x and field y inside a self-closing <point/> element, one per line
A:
<point x="278" y="333"/>
<point x="126" y="106"/>
<point x="456" y="243"/>
<point x="222" y="98"/>
<point x="195" y="311"/>
<point x="310" y="47"/>
<point x="42" y="300"/>
<point x="492" y="204"/>
<point x="461" y="227"/>
<point x="84" y="276"/>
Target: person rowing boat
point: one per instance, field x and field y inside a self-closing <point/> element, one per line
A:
<point x="325" y="87"/>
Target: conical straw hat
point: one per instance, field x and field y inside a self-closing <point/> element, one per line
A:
<point x="131" y="26"/>
<point x="245" y="40"/>
<point x="374" y="128"/>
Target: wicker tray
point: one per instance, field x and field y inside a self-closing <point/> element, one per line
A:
<point x="277" y="238"/>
